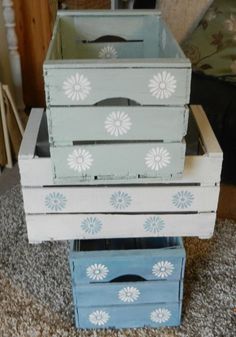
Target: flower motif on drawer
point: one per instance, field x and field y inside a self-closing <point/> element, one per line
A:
<point x="157" y="158"/>
<point x="77" y="87"/>
<point x="162" y="85"/>
<point x="97" y="272"/>
<point x="91" y="225"/>
<point x="99" y="317"/>
<point x="183" y="199"/>
<point x="80" y="160"/>
<point x="108" y="52"/>
<point x="120" y="200"/>
<point x="117" y="123"/>
<point x="129" y="294"/>
<point x="163" y="269"/>
<point x="55" y="201"/>
<point x="154" y="224"/>
<point x="163" y="39"/>
<point x="160" y="315"/>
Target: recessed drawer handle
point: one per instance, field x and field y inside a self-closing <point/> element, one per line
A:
<point x="128" y="278"/>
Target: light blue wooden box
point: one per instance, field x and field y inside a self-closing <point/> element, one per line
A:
<point x="127" y="283"/>
<point x="95" y="55"/>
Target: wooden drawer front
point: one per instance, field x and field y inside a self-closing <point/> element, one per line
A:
<point x="116" y="123"/>
<point x="128" y="293"/>
<point x="151" y="259"/>
<point x="118" y="161"/>
<point x="142" y="85"/>
<point x="95" y="226"/>
<point x="122" y="199"/>
<point x="131" y="316"/>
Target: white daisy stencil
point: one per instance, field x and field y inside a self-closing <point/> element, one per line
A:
<point x="183" y="199"/>
<point x="163" y="269"/>
<point x="117" y="123"/>
<point x="160" y="315"/>
<point x="128" y="294"/>
<point x="162" y="85"/>
<point x="80" y="160"/>
<point x="99" y="317"/>
<point x="97" y="272"/>
<point x="77" y="87"/>
<point x="157" y="158"/>
<point x="107" y="52"/>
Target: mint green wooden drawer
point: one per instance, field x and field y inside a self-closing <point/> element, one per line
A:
<point x="131" y="54"/>
<point x="111" y="161"/>
<point x="114" y="123"/>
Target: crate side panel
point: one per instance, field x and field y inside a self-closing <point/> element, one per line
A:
<point x="125" y="161"/>
<point x="149" y="86"/>
<point x="121" y="199"/>
<point x="117" y="123"/>
<point x="75" y="226"/>
<point x="131" y="316"/>
<point x="127" y="293"/>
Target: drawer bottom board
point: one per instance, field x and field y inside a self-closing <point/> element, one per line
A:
<point x="129" y="316"/>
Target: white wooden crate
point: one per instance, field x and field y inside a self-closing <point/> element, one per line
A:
<point x="183" y="207"/>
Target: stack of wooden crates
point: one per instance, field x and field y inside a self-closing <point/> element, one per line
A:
<point x="116" y="181"/>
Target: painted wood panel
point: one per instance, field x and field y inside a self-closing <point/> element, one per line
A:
<point x="161" y="85"/>
<point x="202" y="169"/>
<point x="150" y="263"/>
<point x="118" y="161"/>
<point x="90" y="226"/>
<point x="122" y="199"/>
<point x="117" y="123"/>
<point x="119" y="293"/>
<point x="132" y="316"/>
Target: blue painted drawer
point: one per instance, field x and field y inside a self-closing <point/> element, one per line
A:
<point x="98" y="55"/>
<point x="133" y="283"/>
<point x="132" y="316"/>
<point x="128" y="292"/>
<point x="95" y="261"/>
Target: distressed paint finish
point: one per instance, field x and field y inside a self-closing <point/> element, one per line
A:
<point x="133" y="83"/>
<point x="92" y="123"/>
<point x="119" y="261"/>
<point x="68" y="226"/>
<point x="132" y="316"/>
<point x="36" y="172"/>
<point x="123" y="199"/>
<point x="142" y="59"/>
<point x="153" y="302"/>
<point x="104" y="294"/>
<point x="118" y="161"/>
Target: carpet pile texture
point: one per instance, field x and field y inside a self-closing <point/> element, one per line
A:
<point x="35" y="287"/>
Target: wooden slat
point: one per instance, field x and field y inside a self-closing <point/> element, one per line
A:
<point x="68" y="226"/>
<point x="27" y="149"/>
<point x="136" y="199"/>
<point x="144" y="123"/>
<point x="108" y="294"/>
<point x="131" y="316"/>
<point x="209" y="139"/>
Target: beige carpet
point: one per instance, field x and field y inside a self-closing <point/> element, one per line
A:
<point x="35" y="290"/>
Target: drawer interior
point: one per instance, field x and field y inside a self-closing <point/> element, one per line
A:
<point x="106" y="35"/>
<point x="126" y="244"/>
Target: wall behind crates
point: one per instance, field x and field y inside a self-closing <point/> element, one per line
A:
<point x="182" y="16"/>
